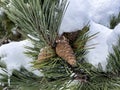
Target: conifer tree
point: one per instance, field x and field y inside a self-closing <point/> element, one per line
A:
<point x="40" y="22"/>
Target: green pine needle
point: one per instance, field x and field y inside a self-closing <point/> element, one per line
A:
<point x="41" y="20"/>
<point x="114" y="21"/>
<point x="114" y="59"/>
<point x="37" y="18"/>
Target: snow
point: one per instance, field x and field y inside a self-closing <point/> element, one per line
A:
<point x="13" y="55"/>
<point x="104" y="40"/>
<point x="98" y="14"/>
<point x="113" y="37"/>
<point x="79" y="13"/>
<point x="102" y="10"/>
<point x="100" y="52"/>
<point x="76" y="15"/>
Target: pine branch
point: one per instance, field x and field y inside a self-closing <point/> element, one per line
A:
<point x="59" y="75"/>
<point x="79" y="44"/>
<point x="56" y="68"/>
<point x="41" y="20"/>
<point x="114" y="59"/>
<point x="22" y="80"/>
<point x="37" y="18"/>
<point x="114" y="21"/>
<point x="8" y="30"/>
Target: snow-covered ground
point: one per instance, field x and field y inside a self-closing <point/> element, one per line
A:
<point x="79" y="13"/>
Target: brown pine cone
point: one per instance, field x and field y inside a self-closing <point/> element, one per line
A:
<point x="45" y="53"/>
<point x="71" y="35"/>
<point x="64" y="50"/>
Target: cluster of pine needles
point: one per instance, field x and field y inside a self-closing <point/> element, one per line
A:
<point x="40" y="21"/>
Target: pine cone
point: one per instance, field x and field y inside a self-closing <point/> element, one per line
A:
<point x="71" y="35"/>
<point x="45" y="53"/>
<point x="64" y="50"/>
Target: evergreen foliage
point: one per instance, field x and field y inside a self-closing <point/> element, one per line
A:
<point x="114" y="58"/>
<point x="114" y="21"/>
<point x="58" y="76"/>
<point x="5" y="27"/>
<point x="40" y="22"/>
<point x="41" y="19"/>
<point x="8" y="29"/>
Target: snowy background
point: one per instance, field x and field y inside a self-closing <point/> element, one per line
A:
<point x="79" y="13"/>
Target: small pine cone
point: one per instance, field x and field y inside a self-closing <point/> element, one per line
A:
<point x="64" y="50"/>
<point x="71" y="35"/>
<point x="45" y="53"/>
